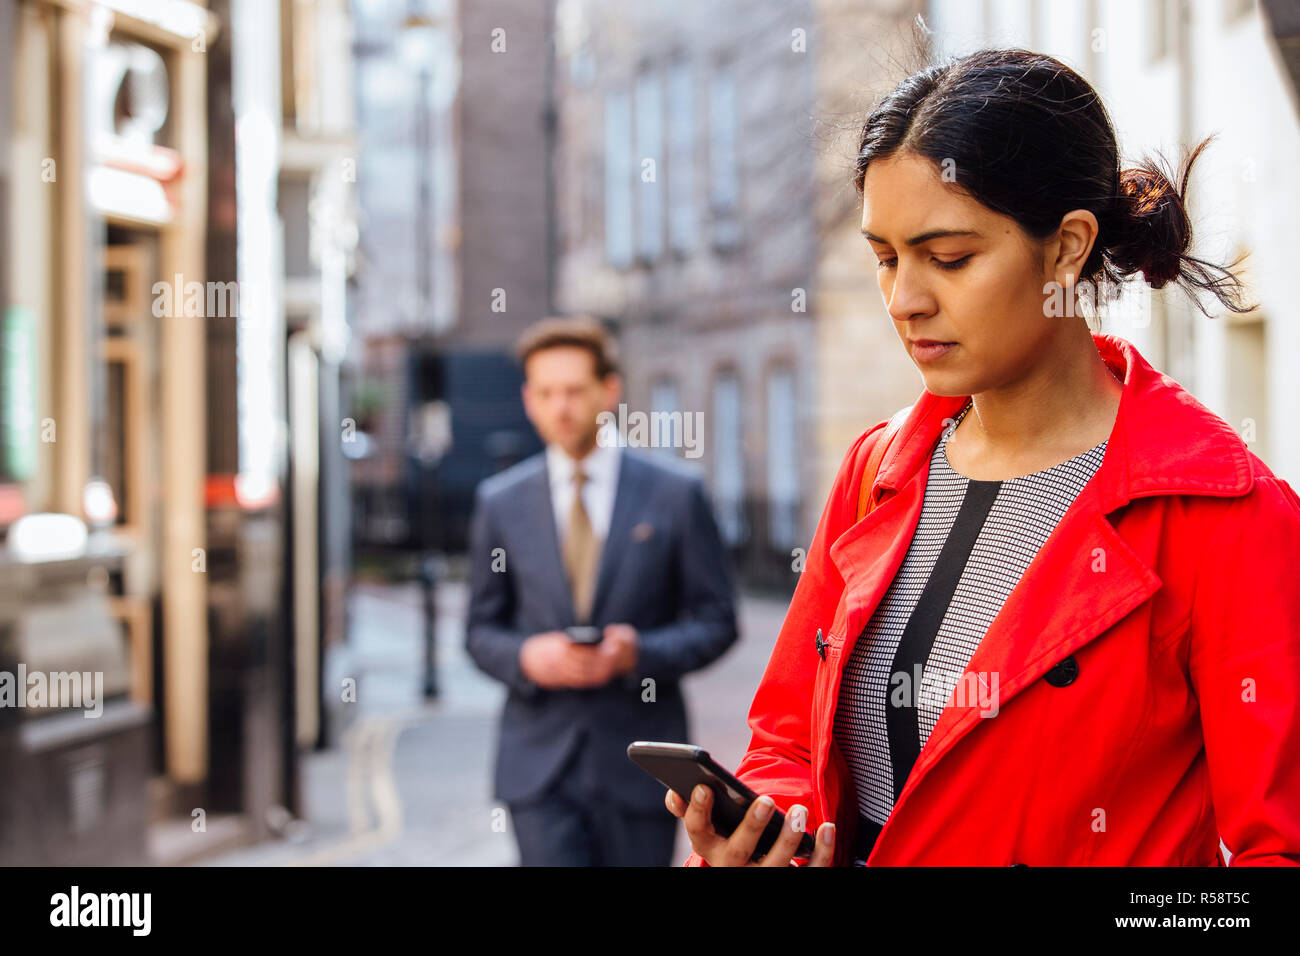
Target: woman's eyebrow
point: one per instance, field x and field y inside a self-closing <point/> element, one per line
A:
<point x="927" y="236"/>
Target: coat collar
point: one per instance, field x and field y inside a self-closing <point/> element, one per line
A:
<point x="1164" y="442"/>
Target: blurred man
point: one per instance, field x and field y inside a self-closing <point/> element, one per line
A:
<point x="590" y="533"/>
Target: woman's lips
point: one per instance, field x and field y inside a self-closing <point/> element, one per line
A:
<point x="928" y="351"/>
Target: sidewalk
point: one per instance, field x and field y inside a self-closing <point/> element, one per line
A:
<point x="411" y="785"/>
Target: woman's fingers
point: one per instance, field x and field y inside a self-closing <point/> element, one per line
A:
<point x="824" y="850"/>
<point x="699" y="826"/>
<point x="737" y="849"/>
<point x="740" y="845"/>
<point x="792" y="831"/>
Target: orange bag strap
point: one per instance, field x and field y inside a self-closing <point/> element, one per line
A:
<point x="872" y="468"/>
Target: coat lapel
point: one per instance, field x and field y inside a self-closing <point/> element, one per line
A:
<point x="869" y="553"/>
<point x="538" y="518"/>
<point x="629" y="493"/>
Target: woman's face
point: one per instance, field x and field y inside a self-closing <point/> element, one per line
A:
<point x="963" y="284"/>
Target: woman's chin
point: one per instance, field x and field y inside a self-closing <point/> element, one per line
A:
<point x="945" y="385"/>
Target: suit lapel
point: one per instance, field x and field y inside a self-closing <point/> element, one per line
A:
<point x="538" y="518"/>
<point x="628" y="494"/>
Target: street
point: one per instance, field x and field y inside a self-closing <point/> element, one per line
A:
<point x="411" y="783"/>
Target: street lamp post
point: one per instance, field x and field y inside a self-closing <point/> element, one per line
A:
<point x="419" y="33"/>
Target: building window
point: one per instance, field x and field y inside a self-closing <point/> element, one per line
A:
<point x="681" y="158"/>
<point x="664" y="402"/>
<point x="729" y="459"/>
<point x="618" y="178"/>
<point x="724" y="181"/>
<point x="649" y="163"/>
<point x="1159" y="36"/>
<point x="782" y="461"/>
<point x="1248" y="381"/>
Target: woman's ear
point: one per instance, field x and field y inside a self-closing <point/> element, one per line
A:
<point x="1077" y="235"/>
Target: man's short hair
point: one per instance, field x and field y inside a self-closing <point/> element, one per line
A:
<point x="581" y="331"/>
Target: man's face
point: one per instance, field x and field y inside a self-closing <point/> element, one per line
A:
<point x="981" y="288"/>
<point x="563" y="396"/>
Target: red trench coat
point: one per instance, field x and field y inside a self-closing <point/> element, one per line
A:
<point x="1172" y="583"/>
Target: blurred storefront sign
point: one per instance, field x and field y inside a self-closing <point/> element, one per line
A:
<point x="132" y="174"/>
<point x="178" y="17"/>
<point x="17" y="394"/>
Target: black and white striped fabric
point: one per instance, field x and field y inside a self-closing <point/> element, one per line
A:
<point x="972" y="544"/>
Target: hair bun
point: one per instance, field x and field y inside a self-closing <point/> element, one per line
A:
<point x="1159" y="231"/>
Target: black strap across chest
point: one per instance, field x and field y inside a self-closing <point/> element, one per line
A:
<point x="918" y="636"/>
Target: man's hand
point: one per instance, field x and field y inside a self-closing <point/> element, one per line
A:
<point x="619" y="649"/>
<point x="552" y="660"/>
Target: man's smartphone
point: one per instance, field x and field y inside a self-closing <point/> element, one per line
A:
<point x="680" y="767"/>
<point x="580" y="634"/>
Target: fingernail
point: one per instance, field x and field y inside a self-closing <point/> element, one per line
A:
<point x="797" y="818"/>
<point x="828" y="834"/>
<point x="698" y="794"/>
<point x="765" y="808"/>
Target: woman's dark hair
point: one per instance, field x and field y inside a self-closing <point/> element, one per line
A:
<point x="1026" y="136"/>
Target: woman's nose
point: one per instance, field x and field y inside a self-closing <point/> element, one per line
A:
<point x="909" y="298"/>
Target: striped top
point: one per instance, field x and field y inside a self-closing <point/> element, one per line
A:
<point x="972" y="544"/>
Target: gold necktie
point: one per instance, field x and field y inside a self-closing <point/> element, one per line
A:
<point x="581" y="552"/>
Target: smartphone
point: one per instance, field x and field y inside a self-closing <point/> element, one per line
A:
<point x="581" y="634"/>
<point x="680" y="767"/>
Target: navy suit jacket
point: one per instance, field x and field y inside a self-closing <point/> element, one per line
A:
<point x="663" y="570"/>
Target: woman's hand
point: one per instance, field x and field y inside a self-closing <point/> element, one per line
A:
<point x="736" y="849"/>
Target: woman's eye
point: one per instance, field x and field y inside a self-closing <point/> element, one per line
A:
<point x="942" y="264"/>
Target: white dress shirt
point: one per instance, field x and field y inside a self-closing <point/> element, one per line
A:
<point x="601" y="468"/>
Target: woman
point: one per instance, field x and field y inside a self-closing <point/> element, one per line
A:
<point x="1068" y="631"/>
